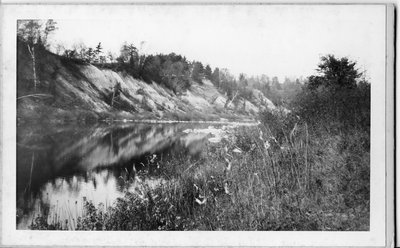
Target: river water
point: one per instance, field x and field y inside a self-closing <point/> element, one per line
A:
<point x="60" y="167"/>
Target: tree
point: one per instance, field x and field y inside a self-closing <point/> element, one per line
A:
<point x="81" y="50"/>
<point x="50" y="27"/>
<point x="97" y="52"/>
<point x="232" y="93"/>
<point x="337" y="94"/>
<point x="99" y="48"/>
<point x="215" y="77"/>
<point x="227" y="82"/>
<point x="197" y="72"/>
<point x="287" y="81"/>
<point x="335" y="73"/>
<point x="142" y="59"/>
<point x="102" y="59"/>
<point x="110" y="57"/>
<point x="243" y="80"/>
<point x="128" y="52"/>
<point x="275" y="84"/>
<point x="90" y="55"/>
<point x="115" y="92"/>
<point x="132" y="59"/>
<point x="208" y="72"/>
<point x="244" y="89"/>
<point x="175" y="74"/>
<point x="152" y="69"/>
<point x="59" y="49"/>
<point x="35" y="36"/>
<point x="71" y="54"/>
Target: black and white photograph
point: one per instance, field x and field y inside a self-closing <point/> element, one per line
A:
<point x="197" y="117"/>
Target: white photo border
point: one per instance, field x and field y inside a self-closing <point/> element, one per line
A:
<point x="380" y="122"/>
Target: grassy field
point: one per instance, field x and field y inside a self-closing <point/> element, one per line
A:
<point x="280" y="175"/>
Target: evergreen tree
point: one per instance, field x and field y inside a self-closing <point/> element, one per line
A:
<point x="197" y="72"/>
<point x="97" y="52"/>
<point x="215" y="77"/>
<point x="208" y="72"/>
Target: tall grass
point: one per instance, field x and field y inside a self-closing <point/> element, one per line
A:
<point x="280" y="175"/>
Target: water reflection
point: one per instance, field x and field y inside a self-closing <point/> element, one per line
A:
<point x="59" y="167"/>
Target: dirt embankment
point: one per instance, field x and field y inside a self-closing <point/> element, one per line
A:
<point x="75" y="91"/>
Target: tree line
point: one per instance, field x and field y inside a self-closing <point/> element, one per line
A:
<point x="177" y="73"/>
<point x="338" y="77"/>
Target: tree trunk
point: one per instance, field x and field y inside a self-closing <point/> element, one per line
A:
<point x="32" y="52"/>
<point x="229" y="101"/>
<point x="32" y="163"/>
<point x="112" y="99"/>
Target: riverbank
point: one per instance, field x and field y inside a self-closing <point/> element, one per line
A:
<point x="70" y="90"/>
<point x="40" y="112"/>
<point x="251" y="180"/>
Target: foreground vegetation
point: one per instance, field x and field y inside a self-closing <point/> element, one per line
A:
<point x="250" y="182"/>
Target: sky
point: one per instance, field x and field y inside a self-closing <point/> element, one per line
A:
<point x="276" y="40"/>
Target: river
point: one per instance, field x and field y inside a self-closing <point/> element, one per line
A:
<point x="60" y="167"/>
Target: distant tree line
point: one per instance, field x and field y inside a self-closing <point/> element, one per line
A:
<point x="177" y="73"/>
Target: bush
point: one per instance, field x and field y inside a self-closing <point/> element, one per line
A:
<point x="336" y="100"/>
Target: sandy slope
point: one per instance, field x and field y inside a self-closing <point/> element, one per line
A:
<point x="80" y="91"/>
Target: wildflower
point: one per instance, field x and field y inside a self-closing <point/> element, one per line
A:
<point x="153" y="158"/>
<point x="201" y="202"/>
<point x="261" y="135"/>
<point x="266" y="145"/>
<point x="237" y="150"/>
<point x="226" y="188"/>
<point x="228" y="164"/>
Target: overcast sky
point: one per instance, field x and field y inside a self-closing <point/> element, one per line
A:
<point x="277" y="40"/>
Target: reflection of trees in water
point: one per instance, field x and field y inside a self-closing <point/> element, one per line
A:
<point x="61" y="160"/>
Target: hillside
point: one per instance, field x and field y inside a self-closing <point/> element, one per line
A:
<point x="71" y="90"/>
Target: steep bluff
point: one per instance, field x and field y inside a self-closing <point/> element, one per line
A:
<point x="70" y="90"/>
